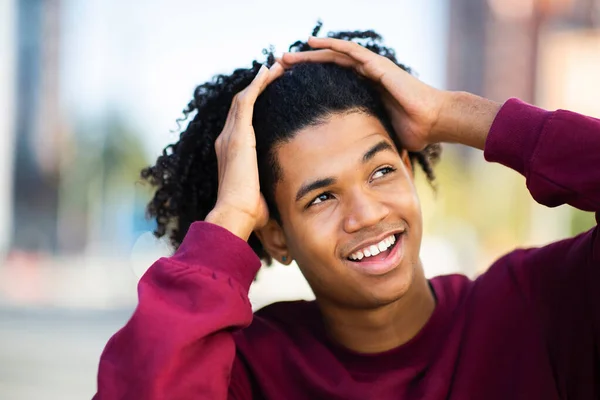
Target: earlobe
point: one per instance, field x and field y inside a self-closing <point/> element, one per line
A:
<point x="273" y="240"/>
<point x="286" y="260"/>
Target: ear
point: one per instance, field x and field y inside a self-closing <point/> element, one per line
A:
<point x="407" y="162"/>
<point x="273" y="240"/>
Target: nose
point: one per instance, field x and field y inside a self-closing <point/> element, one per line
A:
<point x="364" y="210"/>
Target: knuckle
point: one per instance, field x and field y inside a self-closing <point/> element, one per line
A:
<point x="236" y="141"/>
<point x="243" y="99"/>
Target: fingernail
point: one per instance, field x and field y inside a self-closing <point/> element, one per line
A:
<point x="276" y="63"/>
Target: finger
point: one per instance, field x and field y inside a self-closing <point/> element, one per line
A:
<point x="244" y="100"/>
<point x="275" y="72"/>
<point x="320" y="56"/>
<point x="257" y="85"/>
<point x="282" y="63"/>
<point x="230" y="117"/>
<point x="352" y="49"/>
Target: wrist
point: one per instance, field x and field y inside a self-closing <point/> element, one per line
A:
<point x="464" y="118"/>
<point x="444" y="128"/>
<point x="236" y="222"/>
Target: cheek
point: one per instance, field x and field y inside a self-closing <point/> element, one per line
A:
<point x="314" y="266"/>
<point x="316" y="240"/>
<point x="313" y="246"/>
<point x="401" y="196"/>
<point x="407" y="206"/>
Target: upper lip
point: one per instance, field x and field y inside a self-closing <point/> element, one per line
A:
<point x="376" y="240"/>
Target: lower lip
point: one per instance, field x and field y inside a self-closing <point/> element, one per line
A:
<point x="381" y="267"/>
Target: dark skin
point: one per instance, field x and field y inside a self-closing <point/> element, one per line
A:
<point x="367" y="310"/>
<point x="369" y="197"/>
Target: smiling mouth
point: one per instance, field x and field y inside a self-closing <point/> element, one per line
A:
<point x="376" y="252"/>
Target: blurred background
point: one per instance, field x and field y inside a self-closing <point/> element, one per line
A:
<point x="89" y="94"/>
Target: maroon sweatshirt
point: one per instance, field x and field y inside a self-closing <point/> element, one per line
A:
<point x="528" y="328"/>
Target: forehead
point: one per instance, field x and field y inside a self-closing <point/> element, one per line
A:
<point x="325" y="149"/>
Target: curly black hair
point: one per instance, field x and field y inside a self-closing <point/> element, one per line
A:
<point x="185" y="174"/>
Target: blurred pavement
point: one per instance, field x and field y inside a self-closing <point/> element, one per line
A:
<point x="56" y="315"/>
<point x="51" y="353"/>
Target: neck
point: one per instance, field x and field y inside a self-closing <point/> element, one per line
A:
<point x="382" y="328"/>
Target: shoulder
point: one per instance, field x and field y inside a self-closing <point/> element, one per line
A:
<point x="294" y="313"/>
<point x="278" y="321"/>
<point x="555" y="263"/>
<point x="545" y="279"/>
<point x="453" y="286"/>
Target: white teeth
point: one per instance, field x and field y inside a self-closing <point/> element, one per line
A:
<point x="357" y="256"/>
<point x="374" y="249"/>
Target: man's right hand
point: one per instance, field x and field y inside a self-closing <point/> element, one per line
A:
<point x="240" y="206"/>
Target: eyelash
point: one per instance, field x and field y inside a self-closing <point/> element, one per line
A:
<point x="312" y="203"/>
<point x="389" y="169"/>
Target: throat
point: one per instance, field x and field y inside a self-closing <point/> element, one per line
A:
<point x="375" y="330"/>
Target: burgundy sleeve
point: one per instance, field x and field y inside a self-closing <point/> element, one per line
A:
<point x="559" y="155"/>
<point x="178" y="344"/>
<point x="557" y="152"/>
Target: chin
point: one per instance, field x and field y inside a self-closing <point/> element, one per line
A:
<point x="390" y="287"/>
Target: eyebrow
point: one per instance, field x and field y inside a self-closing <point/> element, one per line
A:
<point x="314" y="185"/>
<point x="324" y="182"/>
<point x="379" y="147"/>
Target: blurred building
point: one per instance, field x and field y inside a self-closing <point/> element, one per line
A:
<point x="545" y="52"/>
<point x="7" y="92"/>
<point x="495" y="46"/>
<point x="37" y="127"/>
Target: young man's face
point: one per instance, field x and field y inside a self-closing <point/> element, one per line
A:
<point x="345" y="190"/>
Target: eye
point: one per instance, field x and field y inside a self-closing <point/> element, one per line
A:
<point x="382" y="172"/>
<point x="320" y="199"/>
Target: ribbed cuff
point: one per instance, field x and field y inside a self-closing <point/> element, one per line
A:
<point x="514" y="134"/>
<point x="211" y="246"/>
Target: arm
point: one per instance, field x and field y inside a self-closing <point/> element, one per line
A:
<point x="559" y="154"/>
<point x="557" y="285"/>
<point x="178" y="344"/>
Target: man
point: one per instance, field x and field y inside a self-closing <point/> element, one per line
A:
<point x="348" y="214"/>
